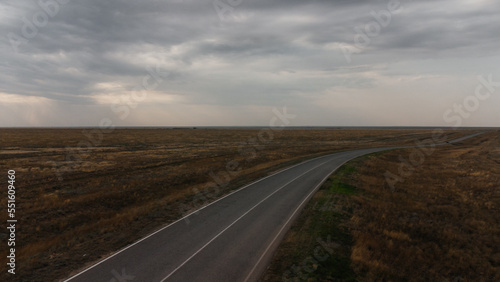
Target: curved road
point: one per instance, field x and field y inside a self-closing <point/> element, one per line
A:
<point x="231" y="239"/>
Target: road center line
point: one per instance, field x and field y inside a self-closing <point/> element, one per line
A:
<point x="299" y="207"/>
<point x="317" y="186"/>
<point x="192" y="213"/>
<point x="234" y="222"/>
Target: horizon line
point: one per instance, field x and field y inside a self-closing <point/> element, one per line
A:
<point x="249" y="127"/>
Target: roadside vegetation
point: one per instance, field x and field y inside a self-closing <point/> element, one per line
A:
<point x="440" y="224"/>
<point x="78" y="205"/>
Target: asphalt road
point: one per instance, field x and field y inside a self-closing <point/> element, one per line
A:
<point x="232" y="239"/>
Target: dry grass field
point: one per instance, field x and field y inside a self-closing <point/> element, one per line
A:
<point x="78" y="203"/>
<point x="440" y="223"/>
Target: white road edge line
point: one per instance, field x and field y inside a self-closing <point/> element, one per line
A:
<point x="238" y="219"/>
<point x="321" y="183"/>
<point x="299" y="207"/>
<point x="196" y="211"/>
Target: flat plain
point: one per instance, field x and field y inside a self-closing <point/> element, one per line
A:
<point x="440" y="223"/>
<point x="83" y="194"/>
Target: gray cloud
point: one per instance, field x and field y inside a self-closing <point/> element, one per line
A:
<point x="259" y="55"/>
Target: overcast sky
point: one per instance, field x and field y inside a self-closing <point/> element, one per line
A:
<point x="230" y="62"/>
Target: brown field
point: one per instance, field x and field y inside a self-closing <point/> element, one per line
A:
<point x="440" y="224"/>
<point x="77" y="205"/>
